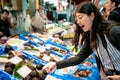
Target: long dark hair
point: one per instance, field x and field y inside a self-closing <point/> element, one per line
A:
<point x="100" y="26"/>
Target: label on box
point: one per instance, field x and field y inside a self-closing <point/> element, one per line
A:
<point x="15" y="60"/>
<point x="24" y="71"/>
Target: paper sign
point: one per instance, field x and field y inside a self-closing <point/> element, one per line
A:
<point x="24" y="71"/>
<point x="15" y="60"/>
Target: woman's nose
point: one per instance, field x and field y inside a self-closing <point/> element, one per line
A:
<point x="78" y="22"/>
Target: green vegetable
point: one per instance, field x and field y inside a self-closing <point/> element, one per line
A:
<point x="4" y="57"/>
<point x="32" y="49"/>
<point x="16" y="68"/>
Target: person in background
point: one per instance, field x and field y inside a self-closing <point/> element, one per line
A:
<point x="113" y="10"/>
<point x="99" y="36"/>
<point x="5" y="23"/>
<point x="75" y="3"/>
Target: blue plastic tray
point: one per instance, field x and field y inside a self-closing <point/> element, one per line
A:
<point x="23" y="37"/>
<point x="93" y="76"/>
<point x="35" y="59"/>
<point x="59" y="46"/>
<point x="5" y="76"/>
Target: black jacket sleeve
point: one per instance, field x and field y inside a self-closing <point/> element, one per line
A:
<point x="80" y="57"/>
<point x="114" y="36"/>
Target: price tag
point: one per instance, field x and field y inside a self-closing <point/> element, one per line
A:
<point x="42" y="49"/>
<point x="24" y="71"/>
<point x="15" y="60"/>
<point x="46" y="57"/>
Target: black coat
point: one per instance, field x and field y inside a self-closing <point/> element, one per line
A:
<point x="115" y="15"/>
<point x="4" y="28"/>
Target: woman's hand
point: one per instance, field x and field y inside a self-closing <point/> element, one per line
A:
<point x="49" y="67"/>
<point x="114" y="77"/>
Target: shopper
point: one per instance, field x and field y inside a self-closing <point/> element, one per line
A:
<point x="112" y="7"/>
<point x="75" y="3"/>
<point x="5" y="24"/>
<point x="98" y="36"/>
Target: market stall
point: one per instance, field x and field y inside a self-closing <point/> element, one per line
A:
<point x="34" y="50"/>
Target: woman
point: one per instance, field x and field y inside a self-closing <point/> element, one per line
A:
<point x="113" y="10"/>
<point x="99" y="36"/>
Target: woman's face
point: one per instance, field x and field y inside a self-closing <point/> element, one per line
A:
<point x="85" y="21"/>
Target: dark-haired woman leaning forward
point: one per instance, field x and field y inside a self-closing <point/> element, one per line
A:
<point x="98" y="36"/>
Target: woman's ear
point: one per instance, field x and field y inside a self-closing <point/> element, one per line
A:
<point x="92" y="16"/>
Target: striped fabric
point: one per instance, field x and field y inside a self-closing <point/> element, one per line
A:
<point x="113" y="52"/>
